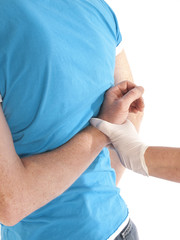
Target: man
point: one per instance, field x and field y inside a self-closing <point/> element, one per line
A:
<point x="57" y="61"/>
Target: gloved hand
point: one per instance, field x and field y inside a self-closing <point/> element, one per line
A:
<point x="126" y="142"/>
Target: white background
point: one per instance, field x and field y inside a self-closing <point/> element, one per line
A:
<point x="151" y="36"/>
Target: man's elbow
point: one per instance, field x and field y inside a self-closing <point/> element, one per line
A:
<point x="9" y="215"/>
<point x="9" y="221"/>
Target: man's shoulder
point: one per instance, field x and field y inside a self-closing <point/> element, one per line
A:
<point x="113" y="5"/>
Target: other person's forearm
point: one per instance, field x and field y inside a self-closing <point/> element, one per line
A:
<point x="160" y="162"/>
<point x="163" y="162"/>
<point x="31" y="182"/>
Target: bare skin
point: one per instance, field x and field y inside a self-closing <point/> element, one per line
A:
<point x="162" y="162"/>
<point x="123" y="72"/>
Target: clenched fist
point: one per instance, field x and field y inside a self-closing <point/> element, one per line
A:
<point x="120" y="100"/>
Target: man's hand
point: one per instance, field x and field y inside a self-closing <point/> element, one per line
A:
<point x="120" y="100"/>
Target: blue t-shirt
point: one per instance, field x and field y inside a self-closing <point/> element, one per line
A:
<point x="57" y="60"/>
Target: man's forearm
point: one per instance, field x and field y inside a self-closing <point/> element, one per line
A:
<point x="123" y="72"/>
<point x="50" y="174"/>
<point x="31" y="182"/>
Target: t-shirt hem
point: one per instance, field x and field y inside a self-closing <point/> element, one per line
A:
<point x="120" y="228"/>
<point x="119" y="48"/>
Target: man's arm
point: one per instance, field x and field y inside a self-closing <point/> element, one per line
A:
<point x="123" y="72"/>
<point x="29" y="183"/>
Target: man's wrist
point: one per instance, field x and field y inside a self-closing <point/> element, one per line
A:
<point x="102" y="138"/>
<point x="126" y="142"/>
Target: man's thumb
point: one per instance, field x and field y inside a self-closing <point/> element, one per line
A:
<point x="133" y="95"/>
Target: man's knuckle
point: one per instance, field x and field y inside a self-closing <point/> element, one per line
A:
<point x="121" y="104"/>
<point x="134" y="92"/>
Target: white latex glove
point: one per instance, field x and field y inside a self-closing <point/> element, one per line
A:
<point x="126" y="142"/>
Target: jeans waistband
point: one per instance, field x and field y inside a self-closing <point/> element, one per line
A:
<point x="119" y="230"/>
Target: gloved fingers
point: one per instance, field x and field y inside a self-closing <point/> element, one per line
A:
<point x="106" y="127"/>
<point x="126" y="142"/>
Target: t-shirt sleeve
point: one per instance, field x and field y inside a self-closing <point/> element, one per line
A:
<point x="119" y="45"/>
<point x="119" y="48"/>
<point x="118" y="34"/>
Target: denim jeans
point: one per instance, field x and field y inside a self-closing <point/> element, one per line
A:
<point x="129" y="232"/>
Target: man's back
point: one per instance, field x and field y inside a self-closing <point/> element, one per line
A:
<point x="57" y="61"/>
